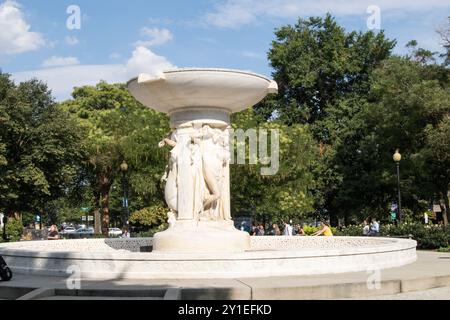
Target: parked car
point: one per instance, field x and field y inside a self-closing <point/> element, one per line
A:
<point x="68" y="230"/>
<point x="83" y="231"/>
<point x="114" y="232"/>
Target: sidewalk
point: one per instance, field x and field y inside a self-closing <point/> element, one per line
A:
<point x="431" y="270"/>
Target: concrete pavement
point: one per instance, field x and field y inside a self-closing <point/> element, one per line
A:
<point x="431" y="270"/>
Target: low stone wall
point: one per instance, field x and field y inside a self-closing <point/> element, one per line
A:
<point x="83" y="245"/>
<point x="311" y="243"/>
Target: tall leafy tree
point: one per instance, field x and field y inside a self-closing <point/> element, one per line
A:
<point x="323" y="74"/>
<point x="434" y="162"/>
<point x="317" y="64"/>
<point x="405" y="102"/>
<point x="119" y="129"/>
<point x="40" y="147"/>
<point x="288" y="193"/>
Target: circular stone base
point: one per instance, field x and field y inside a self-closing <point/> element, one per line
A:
<point x="111" y="259"/>
<point x="201" y="237"/>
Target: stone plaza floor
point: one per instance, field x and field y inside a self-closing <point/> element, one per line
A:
<point x="427" y="278"/>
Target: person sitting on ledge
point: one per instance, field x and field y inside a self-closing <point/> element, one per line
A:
<point x="299" y="230"/>
<point x="53" y="233"/>
<point x="125" y="233"/>
<point x="326" y="230"/>
<point x="374" y="228"/>
<point x="366" y="228"/>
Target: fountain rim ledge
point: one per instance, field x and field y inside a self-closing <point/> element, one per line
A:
<point x="122" y="264"/>
<point x="198" y="69"/>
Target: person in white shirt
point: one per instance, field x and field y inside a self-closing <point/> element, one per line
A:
<point x="287" y="229"/>
<point x="374" y="228"/>
<point x="125" y="233"/>
<point x="366" y="228"/>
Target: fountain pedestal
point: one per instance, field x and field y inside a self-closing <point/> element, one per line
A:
<point x="197" y="191"/>
<point x="201" y="237"/>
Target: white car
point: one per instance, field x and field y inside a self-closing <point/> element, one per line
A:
<point x="69" y="230"/>
<point x="114" y="232"/>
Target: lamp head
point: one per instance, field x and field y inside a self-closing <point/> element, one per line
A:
<point x="397" y="156"/>
<point x="124" y="167"/>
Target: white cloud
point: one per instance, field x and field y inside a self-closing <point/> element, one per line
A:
<point x="236" y="13"/>
<point x="156" y="37"/>
<point x="72" y="40"/>
<point x="55" y="61"/>
<point x="61" y="80"/>
<point x="143" y="60"/>
<point x="15" y="34"/>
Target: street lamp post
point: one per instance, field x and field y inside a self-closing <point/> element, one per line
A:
<point x="397" y="157"/>
<point x="125" y="208"/>
<point x="5" y="221"/>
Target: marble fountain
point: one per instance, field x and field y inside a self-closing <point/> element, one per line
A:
<point x="201" y="241"/>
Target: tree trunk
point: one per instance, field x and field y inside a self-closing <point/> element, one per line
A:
<point x="105" y="186"/>
<point x="97" y="221"/>
<point x="446" y="208"/>
<point x="97" y="214"/>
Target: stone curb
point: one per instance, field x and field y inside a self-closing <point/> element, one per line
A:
<point x="352" y="290"/>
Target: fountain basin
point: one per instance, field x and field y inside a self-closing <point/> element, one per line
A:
<point x="268" y="256"/>
<point x="174" y="90"/>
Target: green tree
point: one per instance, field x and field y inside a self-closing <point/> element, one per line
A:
<point x="288" y="193"/>
<point x="323" y="73"/>
<point x="40" y="147"/>
<point x="317" y="64"/>
<point x="403" y="102"/>
<point x="434" y="161"/>
<point x="119" y="129"/>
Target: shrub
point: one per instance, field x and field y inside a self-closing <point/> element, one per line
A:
<point x="14" y="229"/>
<point x="444" y="249"/>
<point x="309" y="230"/>
<point x="352" y="230"/>
<point x="151" y="216"/>
<point x="427" y="236"/>
<point x="143" y="234"/>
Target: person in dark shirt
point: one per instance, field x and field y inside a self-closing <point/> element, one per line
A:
<point x="53" y="234"/>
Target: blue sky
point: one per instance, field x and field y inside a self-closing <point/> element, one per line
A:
<point x="118" y="39"/>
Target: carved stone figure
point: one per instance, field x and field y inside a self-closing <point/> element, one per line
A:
<point x="209" y="161"/>
<point x="170" y="176"/>
<point x="197" y="191"/>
